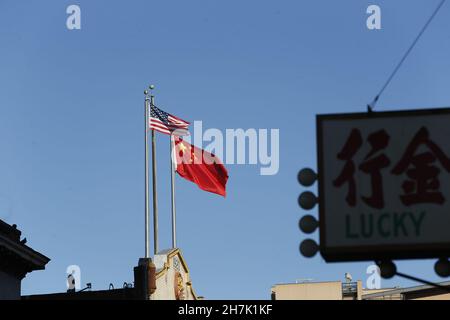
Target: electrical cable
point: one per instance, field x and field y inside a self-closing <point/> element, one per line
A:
<point x="371" y="106"/>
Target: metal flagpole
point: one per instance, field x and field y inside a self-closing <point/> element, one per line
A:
<point x="172" y="175"/>
<point x="155" y="202"/>
<point x="147" y="250"/>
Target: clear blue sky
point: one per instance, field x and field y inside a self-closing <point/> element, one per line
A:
<point x="71" y="103"/>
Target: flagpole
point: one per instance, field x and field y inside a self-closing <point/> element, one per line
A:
<point x="147" y="250"/>
<point x="172" y="176"/>
<point x="155" y="203"/>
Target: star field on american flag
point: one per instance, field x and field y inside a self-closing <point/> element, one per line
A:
<point x="166" y="123"/>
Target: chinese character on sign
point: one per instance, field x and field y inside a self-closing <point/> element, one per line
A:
<point x="423" y="184"/>
<point x="372" y="165"/>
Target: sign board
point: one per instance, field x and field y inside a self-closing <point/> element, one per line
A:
<point x="384" y="185"/>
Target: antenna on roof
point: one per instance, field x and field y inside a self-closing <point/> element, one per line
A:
<point x="303" y="280"/>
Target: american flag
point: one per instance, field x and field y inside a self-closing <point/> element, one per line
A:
<point x="166" y="123"/>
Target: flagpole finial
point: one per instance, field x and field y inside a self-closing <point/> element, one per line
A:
<point x="151" y="87"/>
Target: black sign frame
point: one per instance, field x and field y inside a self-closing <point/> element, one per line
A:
<point x="372" y="252"/>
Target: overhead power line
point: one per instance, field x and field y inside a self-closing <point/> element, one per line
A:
<point x="371" y="106"/>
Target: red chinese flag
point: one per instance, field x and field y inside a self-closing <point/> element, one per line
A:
<point x="201" y="167"/>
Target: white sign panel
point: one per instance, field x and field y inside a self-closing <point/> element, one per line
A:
<point x="384" y="185"/>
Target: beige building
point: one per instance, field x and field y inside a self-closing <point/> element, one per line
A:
<point x="337" y="290"/>
<point x="329" y="290"/>
<point x="423" y="292"/>
<point x="173" y="281"/>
